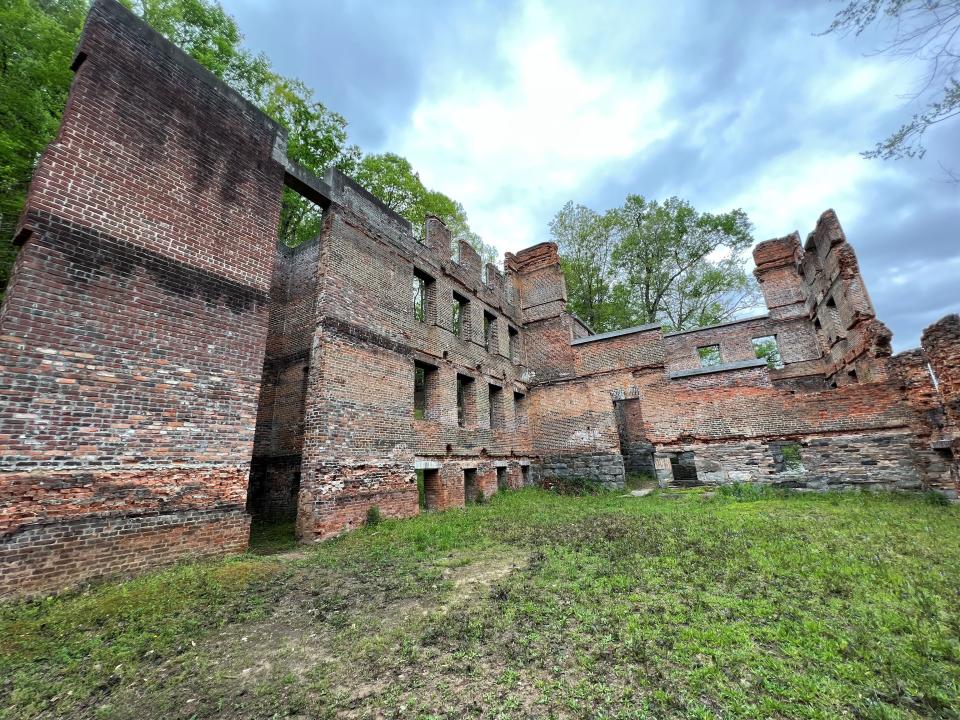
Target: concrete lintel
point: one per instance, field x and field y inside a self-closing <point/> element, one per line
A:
<point x="501" y="463"/>
<point x="422" y="464"/>
<point x="740" y="365"/>
<point x="616" y="333"/>
<point x="306" y="183"/>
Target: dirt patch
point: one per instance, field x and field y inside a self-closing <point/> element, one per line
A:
<point x="474" y="575"/>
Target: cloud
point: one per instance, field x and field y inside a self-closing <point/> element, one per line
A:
<point x="533" y="138"/>
<point x="513" y="108"/>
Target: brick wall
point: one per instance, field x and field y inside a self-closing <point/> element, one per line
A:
<point x="156" y="350"/>
<point x="275" y="470"/>
<point x="941" y="348"/>
<point x="941" y="345"/>
<point x="861" y="418"/>
<point x="362" y="440"/>
<point x="131" y="337"/>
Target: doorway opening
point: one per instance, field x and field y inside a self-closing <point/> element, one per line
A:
<point x="637" y="451"/>
<point x="684" y="469"/>
<point x="471" y="490"/>
<point x="429" y="489"/>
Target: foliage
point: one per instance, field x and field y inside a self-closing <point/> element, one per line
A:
<point x="651" y="261"/>
<point x="394" y="181"/>
<point x="926" y="30"/>
<point x="684" y="268"/>
<point x="786" y="606"/>
<point x="791" y="456"/>
<point x="586" y="241"/>
<point x="709" y="355"/>
<point x="317" y="140"/>
<point x="767" y="349"/>
<point x="937" y="498"/>
<point x="205" y="31"/>
<point x="576" y="486"/>
<point x="37" y="39"/>
<point x="748" y="492"/>
<point x="374" y="517"/>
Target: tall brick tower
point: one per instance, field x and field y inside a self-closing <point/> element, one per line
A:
<point x="132" y="333"/>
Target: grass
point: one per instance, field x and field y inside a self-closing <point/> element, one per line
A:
<point x="742" y="605"/>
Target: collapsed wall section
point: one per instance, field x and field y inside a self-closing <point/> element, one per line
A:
<point x="132" y="332"/>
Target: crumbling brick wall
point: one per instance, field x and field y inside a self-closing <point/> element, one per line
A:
<point x="362" y="439"/>
<point x="941" y="348"/>
<point x="275" y="469"/>
<point x="132" y="333"/>
<point x="837" y="398"/>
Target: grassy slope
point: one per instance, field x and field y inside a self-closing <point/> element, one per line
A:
<point x="532" y="605"/>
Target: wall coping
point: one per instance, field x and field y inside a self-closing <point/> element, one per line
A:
<point x="725" y="367"/>
<point x="765" y="316"/>
<point x="616" y="333"/>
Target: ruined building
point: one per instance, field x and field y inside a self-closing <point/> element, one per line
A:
<point x="166" y="371"/>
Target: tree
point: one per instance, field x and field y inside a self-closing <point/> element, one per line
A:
<point x="205" y="31"/>
<point x="683" y="268"/>
<point x="316" y="139"/>
<point x="37" y="40"/>
<point x="768" y="350"/>
<point x="586" y="241"/>
<point x="650" y="261"/>
<point x="928" y="30"/>
<point x="393" y="180"/>
<point x="36" y="46"/>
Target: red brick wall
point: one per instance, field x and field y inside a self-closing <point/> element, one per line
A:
<point x="131" y="337"/>
<point x="866" y="431"/>
<point x="275" y="471"/>
<point x="941" y="345"/>
<point x="361" y="437"/>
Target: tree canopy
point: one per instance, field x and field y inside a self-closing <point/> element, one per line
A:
<point x="37" y="41"/>
<point x="36" y="46"/>
<point x="654" y="261"/>
<point x="392" y="179"/>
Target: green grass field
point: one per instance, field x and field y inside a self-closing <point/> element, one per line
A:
<point x="741" y="605"/>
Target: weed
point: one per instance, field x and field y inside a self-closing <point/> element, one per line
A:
<point x="748" y="492"/>
<point x="936" y="498"/>
<point x="577" y="486"/>
<point x="374" y="517"/>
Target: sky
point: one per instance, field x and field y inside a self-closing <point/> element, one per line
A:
<point x="514" y="108"/>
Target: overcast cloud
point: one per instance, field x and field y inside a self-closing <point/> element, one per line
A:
<point x="513" y="108"/>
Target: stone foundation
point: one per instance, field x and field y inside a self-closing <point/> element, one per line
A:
<point x="604" y="468"/>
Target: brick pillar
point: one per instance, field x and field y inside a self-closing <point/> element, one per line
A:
<point x="664" y="468"/>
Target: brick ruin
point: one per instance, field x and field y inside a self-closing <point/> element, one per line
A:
<point x="167" y="371"/>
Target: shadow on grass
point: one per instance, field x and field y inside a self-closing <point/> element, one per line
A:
<point x="270" y="538"/>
